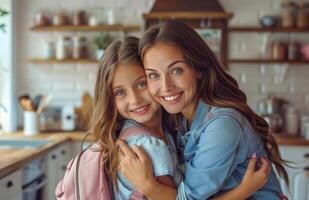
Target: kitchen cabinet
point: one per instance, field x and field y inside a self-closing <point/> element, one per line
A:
<point x="299" y="174"/>
<point x="11" y="186"/>
<point x="57" y="160"/>
<point x="254" y="30"/>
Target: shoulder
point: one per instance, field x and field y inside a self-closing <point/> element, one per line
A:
<point x="224" y="124"/>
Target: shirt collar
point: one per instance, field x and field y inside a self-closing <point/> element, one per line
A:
<point x="199" y="115"/>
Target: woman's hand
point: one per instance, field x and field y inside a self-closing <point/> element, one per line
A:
<point x="254" y="180"/>
<point x="136" y="166"/>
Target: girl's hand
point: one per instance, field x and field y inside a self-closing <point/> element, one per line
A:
<point x="254" y="180"/>
<point x="136" y="166"/>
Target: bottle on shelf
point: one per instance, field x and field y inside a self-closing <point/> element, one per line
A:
<point x="287" y="14"/>
<point x="63" y="49"/>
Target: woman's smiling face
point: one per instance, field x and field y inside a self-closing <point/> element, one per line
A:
<point x="171" y="81"/>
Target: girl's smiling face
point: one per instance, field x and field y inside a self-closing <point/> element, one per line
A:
<point x="171" y="81"/>
<point x="132" y="98"/>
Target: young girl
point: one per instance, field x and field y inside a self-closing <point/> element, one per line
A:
<point x="218" y="132"/>
<point x="122" y="101"/>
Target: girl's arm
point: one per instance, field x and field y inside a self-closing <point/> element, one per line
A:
<point x="251" y="182"/>
<point x="136" y="167"/>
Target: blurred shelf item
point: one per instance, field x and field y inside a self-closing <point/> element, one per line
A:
<point x="188" y="15"/>
<point x="116" y="27"/>
<point x="261" y="29"/>
<point x="267" y="61"/>
<point x="64" y="61"/>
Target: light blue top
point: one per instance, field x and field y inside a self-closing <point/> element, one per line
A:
<point x="163" y="156"/>
<point x="216" y="151"/>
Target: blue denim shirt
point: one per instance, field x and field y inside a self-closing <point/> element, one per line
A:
<point x="216" y="151"/>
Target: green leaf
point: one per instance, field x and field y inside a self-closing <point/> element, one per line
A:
<point x="2" y="28"/>
<point x="3" y="12"/>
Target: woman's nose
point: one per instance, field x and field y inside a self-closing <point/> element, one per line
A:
<point x="167" y="84"/>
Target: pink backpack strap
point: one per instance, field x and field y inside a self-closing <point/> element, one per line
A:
<point x="136" y="131"/>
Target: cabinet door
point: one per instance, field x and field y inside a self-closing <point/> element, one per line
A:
<point x="299" y="156"/>
<point x="11" y="185"/>
<point x="56" y="167"/>
<point x="301" y="187"/>
<point x="64" y="153"/>
<point x="52" y="177"/>
<point x="18" y="196"/>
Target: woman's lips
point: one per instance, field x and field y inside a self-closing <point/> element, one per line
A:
<point x="172" y="98"/>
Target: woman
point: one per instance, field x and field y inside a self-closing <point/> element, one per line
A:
<point x="218" y="132"/>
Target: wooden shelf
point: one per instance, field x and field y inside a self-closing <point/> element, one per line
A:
<point x="261" y="29"/>
<point x="117" y="27"/>
<point x="188" y="15"/>
<point x="65" y="61"/>
<point x="267" y="61"/>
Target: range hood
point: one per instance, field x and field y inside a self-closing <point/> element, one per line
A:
<point x="199" y="14"/>
<point x="185" y="9"/>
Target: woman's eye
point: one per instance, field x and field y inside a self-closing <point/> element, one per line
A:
<point x="177" y="70"/>
<point x="153" y="76"/>
<point x="141" y="85"/>
<point x="119" y="93"/>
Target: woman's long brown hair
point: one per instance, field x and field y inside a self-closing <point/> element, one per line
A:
<point x="216" y="87"/>
<point x="105" y="119"/>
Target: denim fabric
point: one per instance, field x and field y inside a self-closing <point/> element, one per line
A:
<point x="163" y="156"/>
<point x="216" y="151"/>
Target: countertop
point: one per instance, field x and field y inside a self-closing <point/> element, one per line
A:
<point x="14" y="159"/>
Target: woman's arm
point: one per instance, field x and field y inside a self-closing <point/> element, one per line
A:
<point x="136" y="167"/>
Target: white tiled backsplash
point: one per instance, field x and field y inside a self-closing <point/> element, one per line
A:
<point x="68" y="81"/>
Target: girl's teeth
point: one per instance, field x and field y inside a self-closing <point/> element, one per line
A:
<point x="140" y="109"/>
<point x="171" y="98"/>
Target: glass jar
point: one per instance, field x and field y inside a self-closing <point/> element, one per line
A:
<point x="293" y="53"/>
<point x="60" y="19"/>
<point x="287" y="14"/>
<point x="41" y="19"/>
<point x="291" y="121"/>
<point x="50" y="50"/>
<point x="63" y="49"/>
<point x="278" y="50"/>
<point x="79" y="47"/>
<point x="79" y="18"/>
<point x="302" y="15"/>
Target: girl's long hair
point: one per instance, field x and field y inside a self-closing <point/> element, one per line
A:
<point x="105" y="119"/>
<point x="216" y="87"/>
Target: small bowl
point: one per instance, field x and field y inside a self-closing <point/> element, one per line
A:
<point x="268" y="21"/>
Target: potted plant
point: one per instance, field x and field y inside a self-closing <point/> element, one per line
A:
<point x="100" y="43"/>
<point x="3" y="13"/>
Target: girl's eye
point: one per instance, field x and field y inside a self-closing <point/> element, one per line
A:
<point x="120" y="92"/>
<point x="177" y="70"/>
<point x="141" y="85"/>
<point x="153" y="75"/>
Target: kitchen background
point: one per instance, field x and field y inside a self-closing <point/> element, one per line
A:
<point x="266" y="62"/>
<point x="66" y="82"/>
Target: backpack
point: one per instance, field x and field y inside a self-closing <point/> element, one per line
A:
<point x="85" y="177"/>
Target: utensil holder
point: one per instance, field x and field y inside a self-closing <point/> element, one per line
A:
<point x="31" y="123"/>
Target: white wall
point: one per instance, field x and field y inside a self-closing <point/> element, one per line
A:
<point x="67" y="82"/>
<point x="257" y="80"/>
